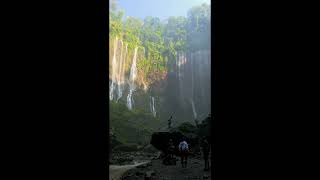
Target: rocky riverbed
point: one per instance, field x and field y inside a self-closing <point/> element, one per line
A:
<point x="120" y="162"/>
<point x="116" y="171"/>
<point x="155" y="170"/>
<point x="130" y="158"/>
<point x="131" y="162"/>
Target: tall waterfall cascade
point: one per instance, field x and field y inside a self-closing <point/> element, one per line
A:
<point x="192" y="71"/>
<point x="132" y="78"/>
<point x="152" y="106"/>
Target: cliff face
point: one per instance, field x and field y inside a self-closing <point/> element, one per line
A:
<point x="182" y="89"/>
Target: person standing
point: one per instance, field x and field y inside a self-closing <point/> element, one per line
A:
<point x="171" y="149"/>
<point x="169" y="122"/>
<point x="184" y="151"/>
<point x="169" y="159"/>
<point x="206" y="150"/>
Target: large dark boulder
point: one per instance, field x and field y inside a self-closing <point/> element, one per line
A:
<point x="149" y="149"/>
<point x="160" y="140"/>
<point x="193" y="135"/>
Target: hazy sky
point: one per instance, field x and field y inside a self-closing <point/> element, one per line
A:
<point x="158" y="8"/>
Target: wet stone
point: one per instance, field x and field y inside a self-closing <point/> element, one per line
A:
<point x="205" y="176"/>
<point x="142" y="166"/>
<point x="150" y="173"/>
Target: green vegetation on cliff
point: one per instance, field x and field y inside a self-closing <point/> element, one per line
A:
<point x="159" y="42"/>
<point x="134" y="126"/>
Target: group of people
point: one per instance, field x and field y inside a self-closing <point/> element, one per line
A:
<point x="184" y="147"/>
<point x="184" y="151"/>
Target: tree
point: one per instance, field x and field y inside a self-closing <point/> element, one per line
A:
<point x="159" y="42"/>
<point x="132" y="31"/>
<point x="198" y="27"/>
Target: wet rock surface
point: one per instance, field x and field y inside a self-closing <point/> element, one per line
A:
<point x="157" y="151"/>
<point x="127" y="158"/>
<point x="156" y="170"/>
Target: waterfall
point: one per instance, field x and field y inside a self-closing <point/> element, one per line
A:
<point x="192" y="86"/>
<point x="121" y="73"/>
<point x="199" y="94"/>
<point x="152" y="106"/>
<point x="129" y="99"/>
<point x="181" y="66"/>
<point x="114" y="70"/>
<point x="132" y="78"/>
<point x="118" y="70"/>
<point x="193" y="110"/>
<point x="191" y="71"/>
<point x="178" y="65"/>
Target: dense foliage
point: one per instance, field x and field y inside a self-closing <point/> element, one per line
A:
<point x="131" y="126"/>
<point x="160" y="41"/>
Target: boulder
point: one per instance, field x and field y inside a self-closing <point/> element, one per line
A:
<point x="149" y="148"/>
<point x="193" y="134"/>
<point x="160" y="140"/>
<point x="149" y="174"/>
<point x="157" y="156"/>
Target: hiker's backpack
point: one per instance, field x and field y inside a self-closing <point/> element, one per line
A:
<point x="183" y="146"/>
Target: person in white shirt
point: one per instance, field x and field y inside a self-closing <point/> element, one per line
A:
<point x="184" y="150"/>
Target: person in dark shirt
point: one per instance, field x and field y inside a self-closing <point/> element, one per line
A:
<point x="169" y="122"/>
<point x="206" y="150"/>
<point x="171" y="148"/>
<point x="169" y="159"/>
